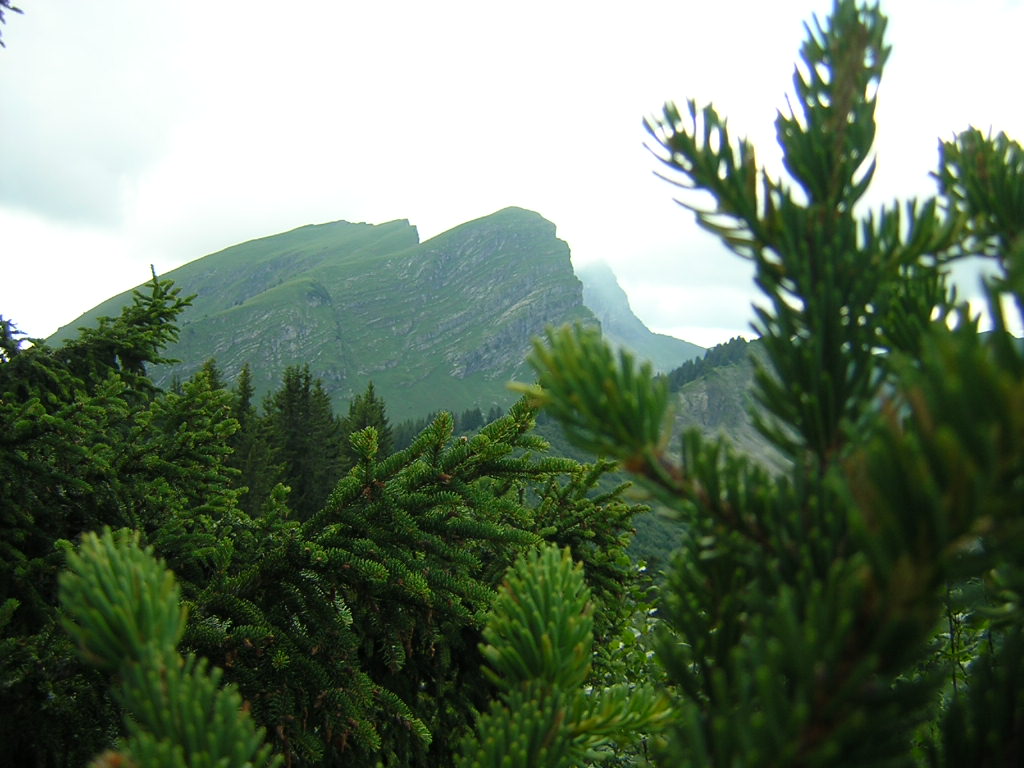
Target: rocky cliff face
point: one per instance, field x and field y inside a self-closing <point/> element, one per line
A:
<point x="719" y="403"/>
<point x="603" y="296"/>
<point x="443" y="323"/>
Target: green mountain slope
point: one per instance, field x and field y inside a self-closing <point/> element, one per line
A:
<point x="603" y="296"/>
<point x="719" y="398"/>
<point x="443" y="323"/>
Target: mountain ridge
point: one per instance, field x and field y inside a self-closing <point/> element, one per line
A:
<point x="442" y="323"/>
<point x="603" y="295"/>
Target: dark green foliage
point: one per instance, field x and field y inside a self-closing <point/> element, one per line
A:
<point x="596" y="528"/>
<point x="407" y="431"/>
<point x="732" y="351"/>
<point x="806" y="619"/>
<point x="122" y="608"/>
<point x="305" y="438"/>
<point x="378" y="597"/>
<point x="244" y="410"/>
<point x="213" y="374"/>
<point x="981" y="176"/>
<point x="469" y="420"/>
<point x="81" y="445"/>
<point x="252" y="450"/>
<point x="365" y="410"/>
<point x="350" y="627"/>
<point x="5" y="5"/>
<point x="629" y="403"/>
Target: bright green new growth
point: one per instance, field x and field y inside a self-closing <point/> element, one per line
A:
<point x="809" y="618"/>
<point x="351" y="634"/>
<point x="541" y="624"/>
<point x="539" y="647"/>
<point x="123" y="609"/>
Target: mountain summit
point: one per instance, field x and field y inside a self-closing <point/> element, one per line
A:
<point x="603" y="295"/>
<point x="445" y="323"/>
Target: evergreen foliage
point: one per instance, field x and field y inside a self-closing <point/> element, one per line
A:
<point x="80" y="448"/>
<point x="407" y="431"/>
<point x="861" y="608"/>
<point x="122" y="608"/>
<point x="539" y="638"/>
<point x="470" y="420"/>
<point x="732" y="351"/>
<point x="351" y="632"/>
<point x="806" y="618"/>
<point x="365" y="410"/>
<point x="252" y="450"/>
<point x="305" y="439"/>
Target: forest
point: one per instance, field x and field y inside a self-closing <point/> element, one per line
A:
<point x="189" y="578"/>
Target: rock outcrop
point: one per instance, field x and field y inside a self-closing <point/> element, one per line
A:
<point x="443" y="323"/>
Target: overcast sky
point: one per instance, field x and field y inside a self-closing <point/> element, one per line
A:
<point x="136" y="133"/>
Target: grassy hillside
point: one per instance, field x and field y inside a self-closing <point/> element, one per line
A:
<point x="444" y="323"/>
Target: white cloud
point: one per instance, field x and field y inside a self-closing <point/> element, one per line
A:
<point x="140" y="133"/>
<point x="87" y="94"/>
<point x="54" y="271"/>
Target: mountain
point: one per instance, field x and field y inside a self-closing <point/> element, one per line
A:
<point x="718" y="402"/>
<point x="442" y="323"/>
<point x="605" y="298"/>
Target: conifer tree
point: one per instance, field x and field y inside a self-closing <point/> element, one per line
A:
<point x="470" y="419"/>
<point x="75" y="453"/>
<point x="365" y="410"/>
<point x="213" y="373"/>
<point x="539" y="637"/>
<point x="244" y="410"/>
<point x="252" y="451"/>
<point x="122" y="607"/>
<point x="305" y="439"/>
<point x="353" y="634"/>
<point x="804" y="616"/>
<point x="733" y="351"/>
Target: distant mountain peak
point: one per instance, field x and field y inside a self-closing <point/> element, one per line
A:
<point x="443" y="323"/>
<point x="603" y="296"/>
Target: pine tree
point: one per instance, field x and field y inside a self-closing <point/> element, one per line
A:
<point x="405" y="432"/>
<point x="183" y="492"/>
<point x="304" y="434"/>
<point x="539" y="637"/>
<point x="805" y="617"/>
<point x="353" y="635"/>
<point x="733" y="351"/>
<point x="75" y="454"/>
<point x="214" y="375"/>
<point x="252" y="452"/>
<point x="123" y="609"/>
<point x="365" y="410"/>
<point x="470" y="420"/>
